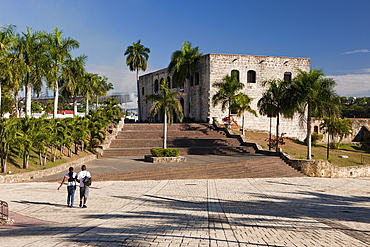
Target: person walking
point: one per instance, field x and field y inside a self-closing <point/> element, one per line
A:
<point x="71" y="186"/>
<point x="84" y="178"/>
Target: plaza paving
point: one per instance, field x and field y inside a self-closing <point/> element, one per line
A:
<point x="296" y="211"/>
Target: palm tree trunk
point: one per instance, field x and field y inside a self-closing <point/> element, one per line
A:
<point x="75" y="106"/>
<point x="28" y="99"/>
<point x="55" y="111"/>
<point x="87" y="107"/>
<point x="25" y="160"/>
<point x="309" y="150"/>
<point x="277" y="133"/>
<point x="165" y="131"/>
<point x="243" y="123"/>
<point x="16" y="104"/>
<point x="138" y="95"/>
<point x="0" y="96"/>
<point x="328" y="147"/>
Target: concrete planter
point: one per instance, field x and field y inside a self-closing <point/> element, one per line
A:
<point x="150" y="158"/>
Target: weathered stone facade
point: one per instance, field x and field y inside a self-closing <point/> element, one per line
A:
<point x="251" y="70"/>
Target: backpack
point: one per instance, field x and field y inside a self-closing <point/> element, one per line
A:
<point x="87" y="181"/>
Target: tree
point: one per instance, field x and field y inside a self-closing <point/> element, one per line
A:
<point x="275" y="102"/>
<point x="167" y="101"/>
<point x="228" y="88"/>
<point x="313" y="95"/>
<point x="74" y="87"/>
<point x="7" y="138"/>
<point x="242" y="104"/>
<point x="336" y="127"/>
<point x="58" y="52"/>
<point x="183" y="62"/>
<point x="29" y="61"/>
<point x="7" y="38"/>
<point x="137" y="57"/>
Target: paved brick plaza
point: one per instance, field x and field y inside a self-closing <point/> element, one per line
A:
<point x="299" y="211"/>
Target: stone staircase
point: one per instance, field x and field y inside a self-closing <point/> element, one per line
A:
<point x="137" y="140"/>
<point x="268" y="167"/>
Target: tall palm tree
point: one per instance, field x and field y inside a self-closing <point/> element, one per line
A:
<point x="313" y="95"/>
<point x="137" y="57"/>
<point x="183" y="62"/>
<point x="28" y="49"/>
<point x="74" y="87"/>
<point x="275" y="102"/>
<point x="7" y="38"/>
<point x="58" y="52"/>
<point x="167" y="101"/>
<point x="242" y="104"/>
<point x="228" y="88"/>
<point x="100" y="87"/>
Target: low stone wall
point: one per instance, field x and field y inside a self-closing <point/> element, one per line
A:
<point x="150" y="158"/>
<point x="312" y="168"/>
<point x="27" y="176"/>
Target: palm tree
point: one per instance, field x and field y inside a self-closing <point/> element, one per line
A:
<point x="275" y="102"/>
<point x="31" y="60"/>
<point x="137" y="57"/>
<point x="7" y="138"/>
<point x="58" y="52"/>
<point x="7" y="39"/>
<point x="74" y="87"/>
<point x="336" y="127"/>
<point x="313" y="95"/>
<point x="242" y="104"/>
<point x="183" y="63"/>
<point x="100" y="87"/>
<point x="167" y="101"/>
<point x="227" y="93"/>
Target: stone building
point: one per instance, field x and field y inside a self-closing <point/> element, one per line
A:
<point x="250" y="70"/>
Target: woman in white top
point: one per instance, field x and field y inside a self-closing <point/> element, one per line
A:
<point x="71" y="186"/>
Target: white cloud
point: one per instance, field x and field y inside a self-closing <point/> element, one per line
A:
<point x="353" y="84"/>
<point x="356" y="51"/>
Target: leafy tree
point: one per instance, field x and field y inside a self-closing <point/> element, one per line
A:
<point x="275" y="102"/>
<point x="227" y="93"/>
<point x="7" y="138"/>
<point x="166" y="101"/>
<point x="183" y="62"/>
<point x="313" y="95"/>
<point x="58" y="53"/>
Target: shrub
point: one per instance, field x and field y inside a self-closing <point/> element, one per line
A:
<point x="315" y="138"/>
<point x="168" y="152"/>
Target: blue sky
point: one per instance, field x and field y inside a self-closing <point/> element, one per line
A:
<point x="335" y="34"/>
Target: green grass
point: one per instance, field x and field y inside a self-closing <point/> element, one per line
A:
<point x="15" y="163"/>
<point x="357" y="153"/>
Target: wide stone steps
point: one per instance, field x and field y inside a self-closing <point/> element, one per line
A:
<point x="137" y="140"/>
<point x="267" y="167"/>
<point x="173" y="142"/>
<point x="111" y="152"/>
<point x="130" y="134"/>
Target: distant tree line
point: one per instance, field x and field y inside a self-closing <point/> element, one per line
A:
<point x="353" y="107"/>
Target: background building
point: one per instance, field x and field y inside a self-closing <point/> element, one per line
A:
<point x="251" y="70"/>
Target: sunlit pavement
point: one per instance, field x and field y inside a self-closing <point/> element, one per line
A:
<point x="223" y="212"/>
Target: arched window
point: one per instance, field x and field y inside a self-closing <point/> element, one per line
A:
<point x="197" y="78"/>
<point x="235" y="74"/>
<point x="316" y="129"/>
<point x="251" y="76"/>
<point x="287" y="76"/>
<point x="156" y="86"/>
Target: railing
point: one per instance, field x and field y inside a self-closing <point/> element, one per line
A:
<point x="3" y="210"/>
